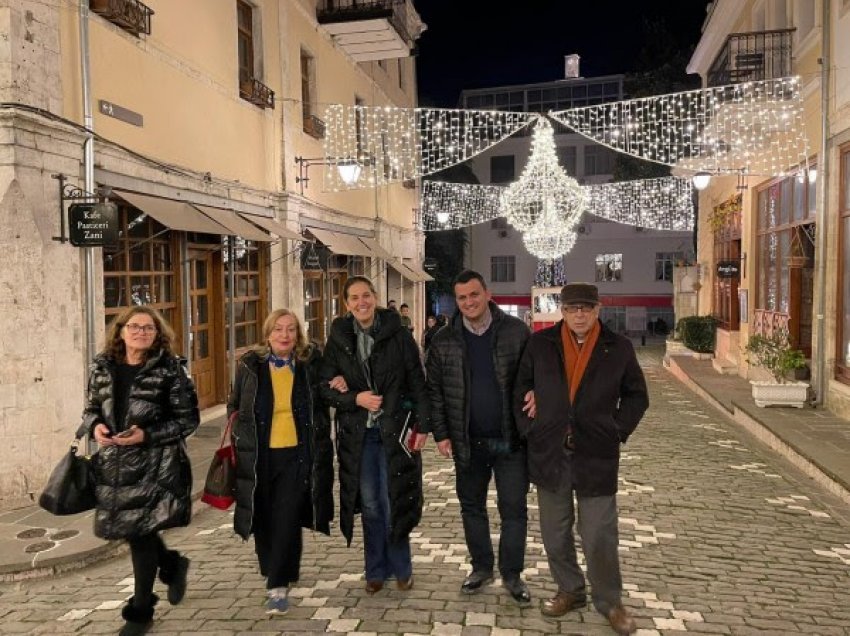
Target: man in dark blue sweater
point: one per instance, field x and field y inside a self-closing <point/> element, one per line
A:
<point x="470" y="367"/>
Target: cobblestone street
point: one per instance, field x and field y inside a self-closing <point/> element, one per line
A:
<point x="718" y="535"/>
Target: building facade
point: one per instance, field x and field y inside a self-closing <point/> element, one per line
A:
<point x="633" y="267"/>
<point x="207" y="136"/>
<point x="789" y="233"/>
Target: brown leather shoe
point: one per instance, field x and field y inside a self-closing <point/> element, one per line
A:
<point x="562" y="603"/>
<point x="404" y="584"/>
<point x="374" y="586"/>
<point x="621" y="621"/>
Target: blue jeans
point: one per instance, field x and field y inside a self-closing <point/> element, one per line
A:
<point x="489" y="458"/>
<point x="384" y="560"/>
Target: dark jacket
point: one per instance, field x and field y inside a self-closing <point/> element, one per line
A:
<point x="252" y="397"/>
<point x="398" y="377"/>
<point x="610" y="402"/>
<point x="448" y="379"/>
<point x="146" y="487"/>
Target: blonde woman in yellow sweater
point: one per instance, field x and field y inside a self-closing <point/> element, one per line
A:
<point x="284" y="453"/>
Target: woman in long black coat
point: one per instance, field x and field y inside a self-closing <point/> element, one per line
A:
<point x="284" y="453"/>
<point x="380" y="471"/>
<point x="141" y="405"/>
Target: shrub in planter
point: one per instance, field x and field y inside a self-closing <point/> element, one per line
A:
<point x="775" y="354"/>
<point x="697" y="333"/>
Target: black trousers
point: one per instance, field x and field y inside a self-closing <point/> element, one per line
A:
<point x="279" y="499"/>
<point x="147" y="552"/>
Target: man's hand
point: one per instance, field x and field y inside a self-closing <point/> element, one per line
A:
<point x="445" y="448"/>
<point x="338" y="384"/>
<point x="530" y="406"/>
<point x="102" y="435"/>
<point x="369" y="401"/>
<point x="418" y="441"/>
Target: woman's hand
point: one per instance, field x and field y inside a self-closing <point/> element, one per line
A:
<point x="418" y="442"/>
<point x="131" y="437"/>
<point x="369" y="401"/>
<point x="338" y="384"/>
<point x="102" y="435"/>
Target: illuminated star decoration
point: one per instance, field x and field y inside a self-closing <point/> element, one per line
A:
<point x="748" y="128"/>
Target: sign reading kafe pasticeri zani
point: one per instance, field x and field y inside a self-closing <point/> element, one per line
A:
<point x="728" y="269"/>
<point x="93" y="224"/>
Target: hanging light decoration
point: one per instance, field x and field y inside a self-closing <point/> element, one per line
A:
<point x="543" y="186"/>
<point x="547" y="246"/>
<point x="448" y="206"/>
<point x="748" y="128"/>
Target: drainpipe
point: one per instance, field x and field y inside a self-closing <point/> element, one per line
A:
<point x="821" y="217"/>
<point x="88" y="161"/>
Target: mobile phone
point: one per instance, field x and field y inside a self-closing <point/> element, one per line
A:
<point x="126" y="433"/>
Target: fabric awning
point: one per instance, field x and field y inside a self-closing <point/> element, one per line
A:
<point x="408" y="271"/>
<point x="274" y="226"/>
<point x="177" y="215"/>
<point x="375" y="247"/>
<point x="417" y="271"/>
<point x="340" y="243"/>
<point x="235" y="223"/>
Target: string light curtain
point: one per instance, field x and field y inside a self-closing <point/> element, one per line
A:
<point x="665" y="203"/>
<point x="397" y="144"/>
<point x="543" y="187"/>
<point x="749" y="128"/>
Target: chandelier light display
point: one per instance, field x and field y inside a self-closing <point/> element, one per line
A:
<point x="748" y="128"/>
<point x="546" y="245"/>
<point x="543" y="186"/>
<point x="665" y="203"/>
<point x="397" y="144"/>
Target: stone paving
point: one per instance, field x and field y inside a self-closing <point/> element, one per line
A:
<point x="718" y="535"/>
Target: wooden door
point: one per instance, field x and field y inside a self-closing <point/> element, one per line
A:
<point x="201" y="326"/>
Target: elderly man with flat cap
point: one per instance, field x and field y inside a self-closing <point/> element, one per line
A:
<point x="580" y="393"/>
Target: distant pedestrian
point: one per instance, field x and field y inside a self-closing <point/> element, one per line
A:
<point x="579" y="394"/>
<point x="380" y="474"/>
<point x="391" y="306"/>
<point x="471" y="366"/>
<point x="431" y="328"/>
<point x="141" y="405"/>
<point x="284" y="453"/>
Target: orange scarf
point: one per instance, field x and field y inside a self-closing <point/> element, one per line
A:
<point x="575" y="357"/>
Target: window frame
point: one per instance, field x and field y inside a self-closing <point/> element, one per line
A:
<point x="494" y="159"/>
<point x="307" y="63"/>
<point x="604" y="260"/>
<point x="842" y="340"/>
<point x="503" y="268"/>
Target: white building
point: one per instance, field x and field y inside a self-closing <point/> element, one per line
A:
<point x="633" y="267"/>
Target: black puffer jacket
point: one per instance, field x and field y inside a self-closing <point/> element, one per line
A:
<point x="146" y="487"/>
<point x="609" y="404"/>
<point x="251" y="429"/>
<point x="397" y="374"/>
<point x="447" y="371"/>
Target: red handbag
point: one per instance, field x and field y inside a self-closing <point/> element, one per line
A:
<point x="220" y="485"/>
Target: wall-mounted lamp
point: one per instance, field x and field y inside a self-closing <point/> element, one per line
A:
<point x="349" y="169"/>
<point x="701" y="180"/>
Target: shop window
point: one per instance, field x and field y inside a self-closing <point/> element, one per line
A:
<point x="609" y="267"/>
<point x="842" y="357"/>
<point x="142" y="269"/>
<point x="248" y="302"/>
<point x="725" y="222"/>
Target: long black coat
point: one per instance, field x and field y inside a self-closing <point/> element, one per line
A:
<point x="610" y="402"/>
<point x="147" y="487"/>
<point x="398" y="376"/>
<point x="447" y="371"/>
<point x="252" y="429"/>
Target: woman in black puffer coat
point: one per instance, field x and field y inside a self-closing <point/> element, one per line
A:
<point x="141" y="405"/>
<point x="284" y="453"/>
<point x="381" y="366"/>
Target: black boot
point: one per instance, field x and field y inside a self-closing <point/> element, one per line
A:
<point x="173" y="571"/>
<point x="139" y="619"/>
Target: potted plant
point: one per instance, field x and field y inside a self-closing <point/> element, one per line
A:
<point x="775" y="354"/>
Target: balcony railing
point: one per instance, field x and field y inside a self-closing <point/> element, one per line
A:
<point x="254" y="91"/>
<point x="745" y="57"/>
<point x="131" y="15"/>
<point x="314" y="126"/>
<point x="766" y="322"/>
<point x="400" y="13"/>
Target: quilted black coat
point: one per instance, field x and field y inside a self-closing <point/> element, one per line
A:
<point x="399" y="378"/>
<point x="608" y="406"/>
<point x="146" y="487"/>
<point x="447" y="370"/>
<point x="314" y="437"/>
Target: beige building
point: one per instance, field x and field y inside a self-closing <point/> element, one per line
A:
<point x="776" y="228"/>
<point x="207" y="122"/>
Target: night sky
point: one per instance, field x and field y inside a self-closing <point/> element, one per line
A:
<point x="471" y="44"/>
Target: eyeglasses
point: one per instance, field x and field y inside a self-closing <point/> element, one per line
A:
<point x="584" y="308"/>
<point x="132" y="327"/>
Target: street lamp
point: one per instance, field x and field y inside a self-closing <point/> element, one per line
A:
<point x="348" y="169"/>
<point x="701" y="180"/>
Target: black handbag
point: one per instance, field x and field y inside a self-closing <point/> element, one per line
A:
<point x="70" y="488"/>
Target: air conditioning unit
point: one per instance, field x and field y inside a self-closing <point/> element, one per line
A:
<point x="503" y="234"/>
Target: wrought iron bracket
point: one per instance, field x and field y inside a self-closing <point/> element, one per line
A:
<point x="69" y="192"/>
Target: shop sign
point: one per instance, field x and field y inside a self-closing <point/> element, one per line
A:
<point x="93" y="224"/>
<point x="728" y="269"/>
